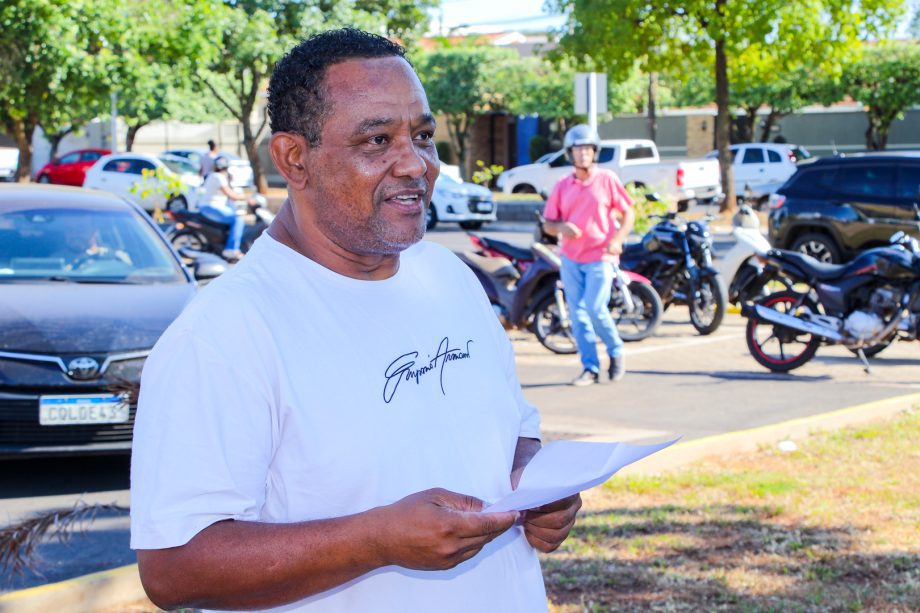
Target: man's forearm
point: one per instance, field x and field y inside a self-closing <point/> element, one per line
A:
<point x="246" y="565"/>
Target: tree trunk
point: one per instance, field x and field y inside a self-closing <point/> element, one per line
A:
<point x="133" y="129"/>
<point x="56" y="138"/>
<point x="653" y="106"/>
<point x="252" y="151"/>
<point x="724" y="125"/>
<point x="22" y="130"/>
<point x="768" y="125"/>
<point x="748" y="124"/>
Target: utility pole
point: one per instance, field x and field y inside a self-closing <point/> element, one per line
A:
<point x="113" y="127"/>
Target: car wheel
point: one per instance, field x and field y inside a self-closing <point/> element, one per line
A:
<point x="819" y="246"/>
<point x="44" y="179"/>
<point x="178" y="204"/>
<point x="431" y="217"/>
<point x="524" y="188"/>
<point x="470" y="225"/>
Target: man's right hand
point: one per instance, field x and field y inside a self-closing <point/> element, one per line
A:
<point x="569" y="230"/>
<point x="436" y="529"/>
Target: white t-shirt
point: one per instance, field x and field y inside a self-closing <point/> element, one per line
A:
<point x="212" y="194"/>
<point x="286" y="392"/>
<point x="207" y="163"/>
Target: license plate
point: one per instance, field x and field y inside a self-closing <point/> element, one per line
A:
<point x="484" y="207"/>
<point x="79" y="409"/>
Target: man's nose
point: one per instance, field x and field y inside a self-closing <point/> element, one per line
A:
<point x="410" y="162"/>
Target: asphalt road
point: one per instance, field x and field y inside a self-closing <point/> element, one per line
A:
<point x="677" y="383"/>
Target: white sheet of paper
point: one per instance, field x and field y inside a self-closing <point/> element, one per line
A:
<point x="563" y="468"/>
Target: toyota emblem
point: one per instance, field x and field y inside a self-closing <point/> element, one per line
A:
<point x="83" y="369"/>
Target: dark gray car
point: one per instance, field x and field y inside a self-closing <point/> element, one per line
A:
<point x="87" y="285"/>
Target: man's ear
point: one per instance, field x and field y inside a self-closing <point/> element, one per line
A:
<point x="288" y="151"/>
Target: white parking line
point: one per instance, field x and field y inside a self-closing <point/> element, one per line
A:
<point x="680" y="345"/>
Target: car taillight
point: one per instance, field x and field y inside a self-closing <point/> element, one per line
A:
<point x="777" y="200"/>
<point x="791" y="156"/>
<point x="680" y="177"/>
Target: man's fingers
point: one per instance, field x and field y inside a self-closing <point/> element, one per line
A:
<point x="457" y="502"/>
<point x="475" y="525"/>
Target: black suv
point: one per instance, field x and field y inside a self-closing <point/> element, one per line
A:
<point x="834" y="207"/>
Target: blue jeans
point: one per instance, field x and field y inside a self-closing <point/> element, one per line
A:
<point x="587" y="293"/>
<point x="236" y="222"/>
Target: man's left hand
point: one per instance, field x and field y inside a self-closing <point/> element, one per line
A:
<point x="547" y="526"/>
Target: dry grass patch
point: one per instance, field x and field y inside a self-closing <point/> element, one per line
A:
<point x="834" y="526"/>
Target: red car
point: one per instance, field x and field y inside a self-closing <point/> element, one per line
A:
<point x="70" y="169"/>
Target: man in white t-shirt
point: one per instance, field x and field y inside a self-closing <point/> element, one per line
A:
<point x="319" y="429"/>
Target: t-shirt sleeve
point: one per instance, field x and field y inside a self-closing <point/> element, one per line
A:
<point x="553" y="209"/>
<point x="202" y="444"/>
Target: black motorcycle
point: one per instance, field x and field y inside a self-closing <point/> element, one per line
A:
<point x="863" y="305"/>
<point x="676" y="255"/>
<point x="192" y="230"/>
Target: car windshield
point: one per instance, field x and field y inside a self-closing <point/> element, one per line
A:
<point x="179" y="166"/>
<point x="82" y="246"/>
<point x="546" y="157"/>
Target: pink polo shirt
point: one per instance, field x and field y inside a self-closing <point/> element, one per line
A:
<point x="592" y="206"/>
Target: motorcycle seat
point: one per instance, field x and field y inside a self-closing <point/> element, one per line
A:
<point x="811" y="267"/>
<point x="633" y="248"/>
<point x="515" y="252"/>
<point x="493" y="267"/>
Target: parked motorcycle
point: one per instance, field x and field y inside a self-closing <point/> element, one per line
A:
<point x="634" y="304"/>
<point x="192" y="230"/>
<point x="863" y="305"/>
<point x="677" y="256"/>
<point x="529" y="301"/>
<point x="741" y="264"/>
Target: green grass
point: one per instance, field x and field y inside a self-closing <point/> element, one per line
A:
<point x="834" y="525"/>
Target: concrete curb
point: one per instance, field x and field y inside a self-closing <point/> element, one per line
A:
<point x="106" y="590"/>
<point x="120" y="587"/>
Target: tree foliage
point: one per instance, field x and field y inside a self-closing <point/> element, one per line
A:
<point x="461" y="83"/>
<point x="886" y="80"/>
<point x="670" y="36"/>
<point x="52" y="68"/>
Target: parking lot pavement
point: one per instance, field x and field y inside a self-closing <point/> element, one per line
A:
<point x="680" y="383"/>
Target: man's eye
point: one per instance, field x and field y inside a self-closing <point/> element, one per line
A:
<point x="379" y="140"/>
<point x="425" y="136"/>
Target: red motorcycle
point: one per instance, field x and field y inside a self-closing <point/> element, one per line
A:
<point x="634" y="304"/>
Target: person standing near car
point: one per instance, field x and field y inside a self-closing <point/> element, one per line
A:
<point x="207" y="160"/>
<point x="215" y="204"/>
<point x="319" y="428"/>
<point x="592" y="212"/>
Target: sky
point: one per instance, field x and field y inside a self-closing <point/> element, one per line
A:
<point x="524" y="15"/>
<point x="494" y="15"/>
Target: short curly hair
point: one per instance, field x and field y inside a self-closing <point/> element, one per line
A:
<point x="297" y="100"/>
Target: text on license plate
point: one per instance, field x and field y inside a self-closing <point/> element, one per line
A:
<point x="78" y="409"/>
<point x="484" y="207"/>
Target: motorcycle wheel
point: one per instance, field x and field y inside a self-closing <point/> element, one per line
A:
<point x="644" y="320"/>
<point x="707" y="305"/>
<point x="777" y="347"/>
<point x="547" y="325"/>
<point x="178" y="204"/>
<point x="189" y="239"/>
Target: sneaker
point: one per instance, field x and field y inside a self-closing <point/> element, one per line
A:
<point x="617" y="368"/>
<point x="587" y="377"/>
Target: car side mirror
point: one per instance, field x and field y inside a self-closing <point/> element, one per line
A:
<point x="207" y="267"/>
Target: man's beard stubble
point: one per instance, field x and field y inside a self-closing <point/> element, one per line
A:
<point x="373" y="236"/>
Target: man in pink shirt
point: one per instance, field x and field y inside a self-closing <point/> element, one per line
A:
<point x="592" y="213"/>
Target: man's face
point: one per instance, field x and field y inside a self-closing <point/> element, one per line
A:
<point x="373" y="172"/>
<point x="583" y="155"/>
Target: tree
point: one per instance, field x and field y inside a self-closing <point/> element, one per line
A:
<point x="462" y="83"/>
<point x="52" y="68"/>
<point x="156" y="58"/>
<point x="671" y="35"/>
<point x="887" y="82"/>
<point x="255" y="33"/>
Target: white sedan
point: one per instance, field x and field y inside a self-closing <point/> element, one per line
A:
<point x="240" y="170"/>
<point x="468" y="204"/>
<point x="119" y="172"/>
<point x="761" y="168"/>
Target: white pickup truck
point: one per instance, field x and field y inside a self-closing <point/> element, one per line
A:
<point x="636" y="162"/>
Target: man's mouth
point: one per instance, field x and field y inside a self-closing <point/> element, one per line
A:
<point x="407" y="201"/>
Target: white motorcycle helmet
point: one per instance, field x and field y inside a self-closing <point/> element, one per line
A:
<point x="580" y="135"/>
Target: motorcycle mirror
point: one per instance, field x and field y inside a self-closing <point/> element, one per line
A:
<point x="208" y="266"/>
<point x="653" y="197"/>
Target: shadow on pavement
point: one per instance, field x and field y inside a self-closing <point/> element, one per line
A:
<point x="734" y="375"/>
